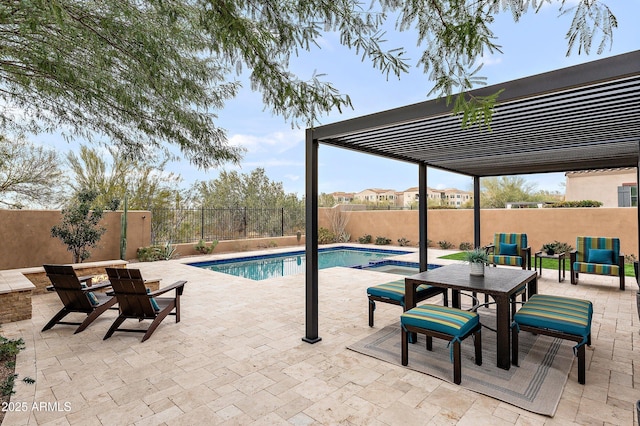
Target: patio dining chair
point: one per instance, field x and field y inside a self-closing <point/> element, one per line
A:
<point x="135" y="301"/>
<point x="76" y="297"/>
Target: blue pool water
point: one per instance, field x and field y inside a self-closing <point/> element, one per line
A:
<point x="399" y="267"/>
<point x="283" y="264"/>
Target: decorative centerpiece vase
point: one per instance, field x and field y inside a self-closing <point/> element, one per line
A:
<point x="476" y="269"/>
<point x="476" y="258"/>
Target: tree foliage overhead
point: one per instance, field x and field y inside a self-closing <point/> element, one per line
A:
<point x="153" y="73"/>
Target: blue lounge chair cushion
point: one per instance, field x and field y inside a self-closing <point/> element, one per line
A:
<point x="602" y="256"/>
<point x="508" y="249"/>
<point x="564" y="314"/>
<point x="153" y="302"/>
<point x="91" y="296"/>
<point x="444" y="319"/>
<point x="394" y="290"/>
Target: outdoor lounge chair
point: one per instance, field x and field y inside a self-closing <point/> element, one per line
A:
<point x="509" y="249"/>
<point x="76" y="297"/>
<point x="136" y="302"/>
<point x="597" y="255"/>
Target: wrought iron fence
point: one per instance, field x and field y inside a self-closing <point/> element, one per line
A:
<point x="192" y="225"/>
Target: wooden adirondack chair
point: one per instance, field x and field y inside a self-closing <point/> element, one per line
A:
<point x="76" y="297"/>
<point x="135" y="302"/>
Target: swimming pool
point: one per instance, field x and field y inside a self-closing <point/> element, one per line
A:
<point x="399" y="267"/>
<point x="282" y="264"/>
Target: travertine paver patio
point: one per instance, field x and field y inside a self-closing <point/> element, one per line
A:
<point x="237" y="358"/>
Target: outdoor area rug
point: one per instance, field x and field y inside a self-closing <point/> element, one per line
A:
<point x="536" y="385"/>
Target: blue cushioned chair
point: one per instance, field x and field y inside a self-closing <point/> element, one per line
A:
<point x="556" y="316"/>
<point x="509" y="249"/>
<point x="597" y="255"/>
<point x="393" y="292"/>
<point x="442" y="322"/>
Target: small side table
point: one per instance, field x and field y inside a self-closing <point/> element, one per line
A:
<point x="560" y="257"/>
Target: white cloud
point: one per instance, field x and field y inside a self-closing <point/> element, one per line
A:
<point x="273" y="162"/>
<point x="278" y="142"/>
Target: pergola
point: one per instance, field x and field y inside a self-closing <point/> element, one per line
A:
<point x="583" y="117"/>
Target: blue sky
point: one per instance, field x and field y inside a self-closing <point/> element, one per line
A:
<point x="534" y="45"/>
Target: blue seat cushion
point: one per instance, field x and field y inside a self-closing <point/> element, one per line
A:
<point x="508" y="249"/>
<point x="444" y="319"/>
<point x="154" y="304"/>
<point x="93" y="299"/>
<point x="564" y="314"/>
<point x="394" y="290"/>
<point x="602" y="256"/>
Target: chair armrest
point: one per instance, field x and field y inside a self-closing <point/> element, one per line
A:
<point x="573" y="255"/>
<point x="525" y="253"/>
<point x="490" y="249"/>
<point x="178" y="285"/>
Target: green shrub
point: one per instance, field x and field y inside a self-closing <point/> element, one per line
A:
<point x="203" y="248"/>
<point x="466" y="246"/>
<point x="403" y="242"/>
<point x="445" y="245"/>
<point x="365" y="239"/>
<point x="156" y="252"/>
<point x="382" y="241"/>
<point x="325" y="236"/>
<point x="557" y="247"/>
<point x="583" y="203"/>
<point x="9" y="348"/>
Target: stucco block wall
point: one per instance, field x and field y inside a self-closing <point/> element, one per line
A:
<point x="456" y="225"/>
<point x="27" y="241"/>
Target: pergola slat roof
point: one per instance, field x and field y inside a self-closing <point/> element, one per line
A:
<point x="583" y="117"/>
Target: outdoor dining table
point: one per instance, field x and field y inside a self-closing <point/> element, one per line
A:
<point x="499" y="283"/>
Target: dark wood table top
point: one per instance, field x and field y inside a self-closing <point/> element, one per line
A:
<point x="495" y="281"/>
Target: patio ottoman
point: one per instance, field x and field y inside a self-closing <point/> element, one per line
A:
<point x="442" y="322"/>
<point x="556" y="316"/>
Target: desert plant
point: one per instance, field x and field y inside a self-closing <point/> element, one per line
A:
<point x="156" y="252"/>
<point x="382" y="241"/>
<point x="556" y="247"/>
<point x="79" y="229"/>
<point x="344" y="237"/>
<point x="465" y="246"/>
<point x="123" y="230"/>
<point x="549" y="248"/>
<point x="9" y="348"/>
<point x="325" y="236"/>
<point x="403" y="242"/>
<point x="338" y="220"/>
<point x="445" y="245"/>
<point x="365" y="239"/>
<point x="477" y="255"/>
<point x="203" y="248"/>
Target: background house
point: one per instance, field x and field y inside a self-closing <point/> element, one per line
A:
<point x="612" y="187"/>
